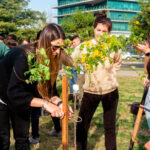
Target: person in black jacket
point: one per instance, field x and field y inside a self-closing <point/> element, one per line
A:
<point x="16" y="96"/>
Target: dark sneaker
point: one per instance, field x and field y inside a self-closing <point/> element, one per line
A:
<point x="33" y="140"/>
<point x="70" y="97"/>
<point x="55" y="133"/>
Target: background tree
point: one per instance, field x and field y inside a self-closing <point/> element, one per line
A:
<point x="80" y="23"/>
<point x="141" y="23"/>
<point x="16" y="18"/>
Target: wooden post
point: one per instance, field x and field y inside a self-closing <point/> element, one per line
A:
<point x="65" y="110"/>
<point x="136" y="127"/>
<point x="138" y="118"/>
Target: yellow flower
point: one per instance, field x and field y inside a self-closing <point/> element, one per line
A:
<point x="100" y="54"/>
<point x="87" y="43"/>
<point x="137" y="22"/>
<point x="104" y="45"/>
<point x="88" y="67"/>
<point x="70" y="77"/>
<point x="83" y="60"/>
<point x="96" y="52"/>
<point x="92" y="44"/>
<point x="83" y="55"/>
<point x="108" y="37"/>
<point x="104" y="58"/>
<point x="92" y="55"/>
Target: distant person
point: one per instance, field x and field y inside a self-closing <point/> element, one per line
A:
<point x="80" y="77"/>
<point x="3" y="50"/>
<point x="1" y="39"/>
<point x="11" y="41"/>
<point x="25" y="41"/>
<point x="75" y="41"/>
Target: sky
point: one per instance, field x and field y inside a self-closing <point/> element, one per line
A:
<point x="46" y="6"/>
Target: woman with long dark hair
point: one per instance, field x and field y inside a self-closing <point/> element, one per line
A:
<point x="17" y="96"/>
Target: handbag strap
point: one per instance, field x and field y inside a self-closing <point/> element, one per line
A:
<point x="17" y="75"/>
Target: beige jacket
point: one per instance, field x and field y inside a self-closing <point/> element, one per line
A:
<point x="104" y="79"/>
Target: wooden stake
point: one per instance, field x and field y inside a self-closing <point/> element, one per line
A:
<point x="137" y="123"/>
<point x="138" y="118"/>
<point x="136" y="127"/>
<point x="65" y="110"/>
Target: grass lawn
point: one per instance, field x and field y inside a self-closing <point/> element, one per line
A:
<point x="130" y="90"/>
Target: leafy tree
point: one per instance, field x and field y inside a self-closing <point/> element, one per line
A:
<point x="80" y="23"/>
<point x="16" y="18"/>
<point x="141" y="23"/>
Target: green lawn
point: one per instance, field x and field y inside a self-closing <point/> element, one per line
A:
<point x="130" y="90"/>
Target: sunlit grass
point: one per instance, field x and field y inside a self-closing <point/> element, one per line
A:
<point x="130" y="90"/>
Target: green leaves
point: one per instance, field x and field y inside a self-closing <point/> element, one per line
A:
<point x="67" y="47"/>
<point x="79" y="23"/>
<point x="123" y="41"/>
<point x="42" y="52"/>
<point x="17" y="19"/>
<point x="100" y="52"/>
<point x="134" y="39"/>
<point x="140" y="74"/>
<point x="140" y="24"/>
<point x="38" y="72"/>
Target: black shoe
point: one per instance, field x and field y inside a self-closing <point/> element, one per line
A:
<point x="55" y="133"/>
<point x="70" y="97"/>
<point x="33" y="140"/>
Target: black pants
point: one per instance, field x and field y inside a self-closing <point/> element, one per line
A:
<point x="56" y="122"/>
<point x="88" y="106"/>
<point x="20" y="125"/>
<point x="35" y="114"/>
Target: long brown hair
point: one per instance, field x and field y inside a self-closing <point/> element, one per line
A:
<point x="51" y="32"/>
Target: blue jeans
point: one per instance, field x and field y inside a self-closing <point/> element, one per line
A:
<point x="73" y="80"/>
<point x="147" y="105"/>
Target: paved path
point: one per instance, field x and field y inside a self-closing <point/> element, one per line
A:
<point x="129" y="64"/>
<point x="130" y="72"/>
<point x="127" y="73"/>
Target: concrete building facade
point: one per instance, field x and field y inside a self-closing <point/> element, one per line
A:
<point x="119" y="11"/>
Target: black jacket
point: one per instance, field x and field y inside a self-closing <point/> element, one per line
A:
<point x="13" y="89"/>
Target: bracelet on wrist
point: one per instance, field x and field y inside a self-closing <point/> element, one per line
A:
<point x="44" y="105"/>
<point x="59" y="103"/>
<point x="147" y="54"/>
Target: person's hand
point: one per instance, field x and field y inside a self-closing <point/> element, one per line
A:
<point x="70" y="111"/>
<point x="146" y="81"/>
<point x="144" y="48"/>
<point x="54" y="110"/>
<point x="147" y="145"/>
<point x="62" y="71"/>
